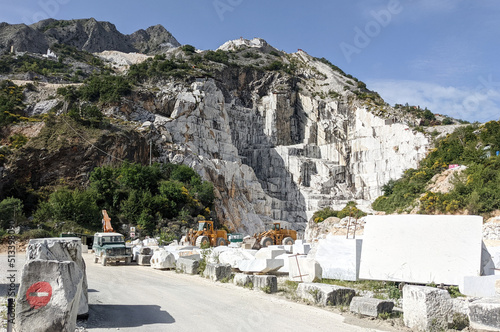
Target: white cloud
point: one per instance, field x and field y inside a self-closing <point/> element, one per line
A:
<point x="479" y="104"/>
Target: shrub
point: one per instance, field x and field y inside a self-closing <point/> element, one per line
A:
<point x="188" y="49"/>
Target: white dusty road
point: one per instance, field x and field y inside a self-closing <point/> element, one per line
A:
<point x="139" y="298"/>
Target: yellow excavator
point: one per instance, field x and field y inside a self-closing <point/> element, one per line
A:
<point x="276" y="235"/>
<point x="207" y="235"/>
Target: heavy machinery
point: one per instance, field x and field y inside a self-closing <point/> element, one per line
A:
<point x="276" y="235"/>
<point x="207" y="235"/>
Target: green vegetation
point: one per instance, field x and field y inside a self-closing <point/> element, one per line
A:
<point x="58" y="24"/>
<point x="105" y="88"/>
<point x="349" y="210"/>
<point x="27" y="63"/>
<point x="158" y="67"/>
<point x="337" y="69"/>
<point x="476" y="190"/>
<point x="11" y="102"/>
<point x="159" y="199"/>
<point x="217" y="56"/>
<point x="188" y="49"/>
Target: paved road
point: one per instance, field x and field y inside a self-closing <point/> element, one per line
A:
<point x="139" y="298"/>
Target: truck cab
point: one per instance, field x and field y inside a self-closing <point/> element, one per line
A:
<point x="110" y="247"/>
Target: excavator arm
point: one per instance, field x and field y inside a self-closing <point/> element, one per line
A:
<point x="106" y="222"/>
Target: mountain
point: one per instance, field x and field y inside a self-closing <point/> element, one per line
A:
<point x="84" y="34"/>
<point x="279" y="135"/>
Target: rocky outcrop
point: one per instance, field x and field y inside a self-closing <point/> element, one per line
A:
<point x="84" y="34"/>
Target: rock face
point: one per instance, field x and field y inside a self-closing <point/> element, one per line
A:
<point x="277" y="153"/>
<point x="84" y="34"/>
<point x="60" y="284"/>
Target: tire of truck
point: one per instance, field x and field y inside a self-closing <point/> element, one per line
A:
<point x="202" y="240"/>
<point x="104" y="260"/>
<point x="266" y="242"/>
<point x="288" y="241"/>
<point x="221" y="242"/>
<point x="128" y="260"/>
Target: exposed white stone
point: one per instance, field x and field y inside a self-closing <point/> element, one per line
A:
<point x="243" y="280"/>
<point x="497" y="288"/>
<point x="286" y="266"/>
<point x="426" y="308"/>
<point x="485" y="314"/>
<point x="60" y="313"/>
<point x="483" y="286"/>
<point x="338" y="257"/>
<point x="162" y="259"/>
<point x="421" y="248"/>
<point x="303" y="269"/>
<point x="369" y="306"/>
<point x="260" y="265"/>
<point x="323" y="294"/>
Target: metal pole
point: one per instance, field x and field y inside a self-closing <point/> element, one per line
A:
<point x="150" y="149"/>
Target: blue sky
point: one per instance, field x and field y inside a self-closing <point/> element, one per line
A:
<point x="440" y="54"/>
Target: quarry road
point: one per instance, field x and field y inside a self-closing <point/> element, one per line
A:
<point x="139" y="298"/>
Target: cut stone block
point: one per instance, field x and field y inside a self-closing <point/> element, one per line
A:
<point x="268" y="284"/>
<point x="421" y="249"/>
<point x="323" y="294"/>
<point x="286" y="267"/>
<point x="85" y="249"/>
<point x="62" y="250"/>
<point x="135" y="253"/>
<point x="288" y="248"/>
<point x="269" y="253"/>
<point x="301" y="249"/>
<point x="217" y="272"/>
<point x="189" y="266"/>
<point x="303" y="269"/>
<point x="144" y="259"/>
<point x="479" y="286"/>
<point x="260" y="265"/>
<point x="338" y="257"/>
<point x="370" y="306"/>
<point x="485" y="314"/>
<point x="243" y="280"/>
<point x="426" y="308"/>
<point x="162" y="259"/>
<point x="48" y="296"/>
<point x="233" y="257"/>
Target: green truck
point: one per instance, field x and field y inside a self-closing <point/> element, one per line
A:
<point x="110" y="247"/>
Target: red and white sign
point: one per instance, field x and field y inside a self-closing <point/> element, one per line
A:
<point x="132" y="234"/>
<point x="452" y="166"/>
<point x="39" y="294"/>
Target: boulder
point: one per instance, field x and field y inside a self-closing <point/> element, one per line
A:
<point x="304" y="269"/>
<point x="189" y="266"/>
<point x="144" y="259"/>
<point x="49" y="296"/>
<point x="338" y="257"/>
<point x="243" y="280"/>
<point x="479" y="286"/>
<point x="323" y="294"/>
<point x="370" y="306"/>
<point x="217" y="272"/>
<point x="269" y="253"/>
<point x="145" y="251"/>
<point x="162" y="259"/>
<point x="260" y="265"/>
<point x="62" y="249"/>
<point x="233" y="257"/>
<point x="426" y="308"/>
<point x="485" y="314"/>
<point x="268" y="284"/>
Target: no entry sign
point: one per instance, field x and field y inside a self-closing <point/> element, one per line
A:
<point x="39" y="294"/>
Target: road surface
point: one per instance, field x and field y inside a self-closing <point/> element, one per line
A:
<point x="139" y="298"/>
